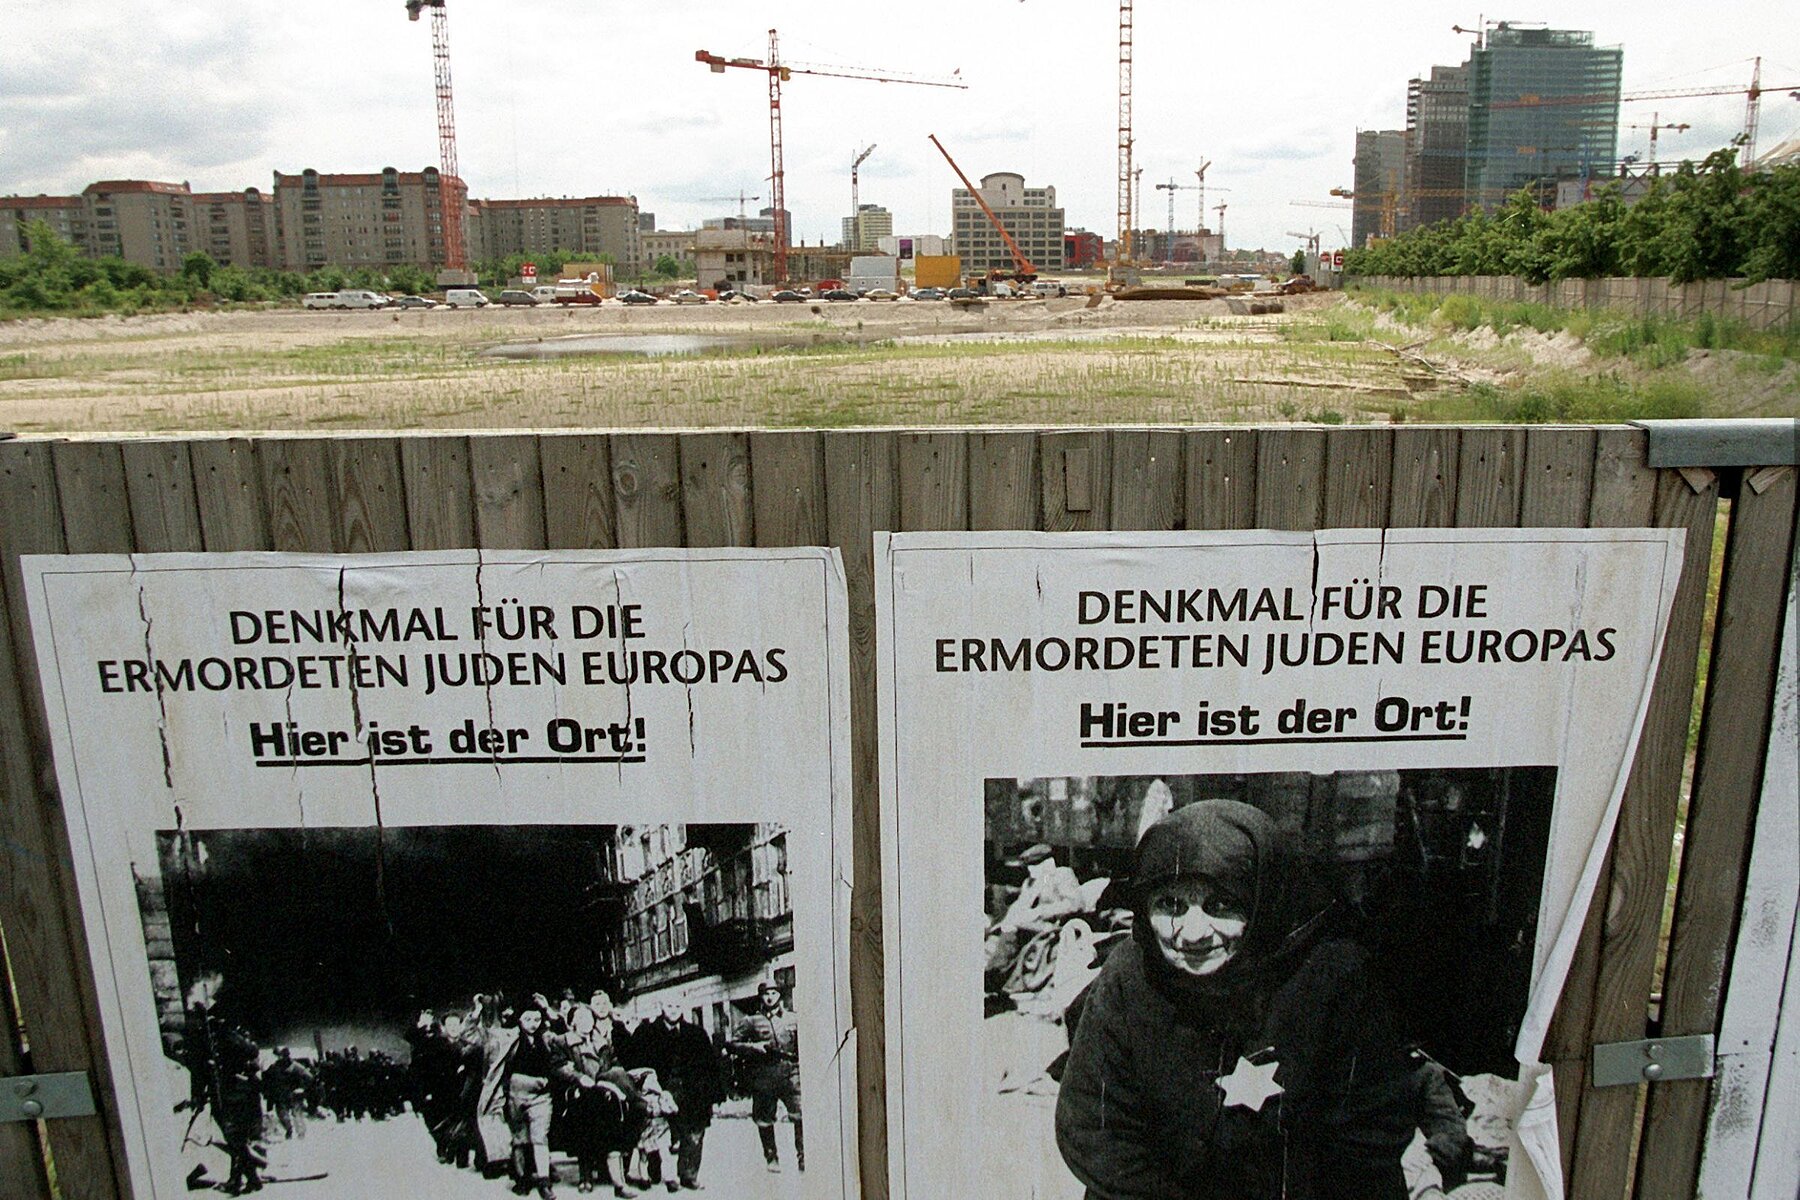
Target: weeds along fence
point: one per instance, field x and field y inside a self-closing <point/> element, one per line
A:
<point x="1771" y="304"/>
<point x="597" y="490"/>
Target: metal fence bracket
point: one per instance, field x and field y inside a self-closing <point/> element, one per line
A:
<point x="46" y="1097"/>
<point x="1653" y="1060"/>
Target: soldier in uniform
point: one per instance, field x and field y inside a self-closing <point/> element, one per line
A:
<point x="767" y="1043"/>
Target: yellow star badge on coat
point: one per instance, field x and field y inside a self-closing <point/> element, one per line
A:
<point x="1250" y="1084"/>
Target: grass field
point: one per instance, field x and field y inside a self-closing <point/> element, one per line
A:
<point x="1327" y="360"/>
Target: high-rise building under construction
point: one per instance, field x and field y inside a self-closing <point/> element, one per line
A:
<point x="1437" y="145"/>
<point x="1543" y="106"/>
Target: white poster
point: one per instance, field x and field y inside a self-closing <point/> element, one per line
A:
<point x="433" y="875"/>
<point x="1246" y="865"/>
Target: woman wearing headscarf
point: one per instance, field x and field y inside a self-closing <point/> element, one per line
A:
<point x="1233" y="1048"/>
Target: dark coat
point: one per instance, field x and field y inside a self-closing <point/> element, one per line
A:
<point x="1141" y="1114"/>
<point x="686" y="1063"/>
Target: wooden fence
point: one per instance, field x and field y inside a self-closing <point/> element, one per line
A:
<point x="592" y="490"/>
<point x="1771" y="304"/>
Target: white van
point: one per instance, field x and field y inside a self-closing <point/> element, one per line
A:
<point x="544" y="293"/>
<point x="1047" y="288"/>
<point x="360" y="298"/>
<point x="465" y="298"/>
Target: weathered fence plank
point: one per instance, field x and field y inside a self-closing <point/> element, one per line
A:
<point x="1641" y="849"/>
<point x="234" y="514"/>
<point x="297" y="477"/>
<point x="371" y="499"/>
<point x="1359" y="472"/>
<point x="934" y="481"/>
<point x="1290" y="478"/>
<point x="440" y="508"/>
<point x="1488" y="477"/>
<point x="1424" y="486"/>
<point x="647" y="489"/>
<point x="862" y="495"/>
<point x="788" y="499"/>
<point x="578" y="491"/>
<point x="509" y="491"/>
<point x="1558" y="477"/>
<point x="1721" y="812"/>
<point x="159" y="486"/>
<point x="1221" y="478"/>
<point x="1003" y="480"/>
<point x="715" y="489"/>
<point x="1147" y="479"/>
<point x="38" y="905"/>
<point x="91" y="491"/>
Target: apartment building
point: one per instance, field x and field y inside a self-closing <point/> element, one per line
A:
<point x="66" y="215"/>
<point x="590" y="225"/>
<point x="698" y="914"/>
<point x="677" y="244"/>
<point x="863" y="233"/>
<point x="235" y="227"/>
<point x="142" y="221"/>
<point x="1029" y="215"/>
<point x="368" y="220"/>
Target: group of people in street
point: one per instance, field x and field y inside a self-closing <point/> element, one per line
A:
<point x="501" y="1085"/>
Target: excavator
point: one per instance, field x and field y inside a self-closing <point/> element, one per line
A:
<point x="1023" y="272"/>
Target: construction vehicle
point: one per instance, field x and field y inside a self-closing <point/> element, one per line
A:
<point x="1024" y="272"/>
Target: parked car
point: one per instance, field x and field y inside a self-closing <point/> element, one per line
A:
<point x="731" y="295"/>
<point x="575" y="293"/>
<point x="637" y="298"/>
<point x="688" y="296"/>
<point x="465" y="298"/>
<point x="787" y="296"/>
<point x="544" y="293"/>
<point x="513" y="296"/>
<point x="962" y="293"/>
<point x="361" y="298"/>
<point x="839" y="294"/>
<point x="928" y="294"/>
<point x="880" y="294"/>
<point x="320" y="300"/>
<point x="413" y="302"/>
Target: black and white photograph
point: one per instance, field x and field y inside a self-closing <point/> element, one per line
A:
<point x="481" y="1011"/>
<point x="1261" y="985"/>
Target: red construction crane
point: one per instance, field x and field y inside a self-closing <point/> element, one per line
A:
<point x="1026" y="271"/>
<point x="779" y="73"/>
<point x="450" y="193"/>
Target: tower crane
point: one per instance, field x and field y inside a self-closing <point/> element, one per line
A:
<point x="741" y="198"/>
<point x="1679" y="127"/>
<point x="1026" y="272"/>
<point x="451" y="194"/>
<point x="1127" y="34"/>
<point x="1311" y="239"/>
<point x="1220" y="209"/>
<point x="1137" y="198"/>
<point x="855" y="199"/>
<point x="780" y="72"/>
<point x="1172" y="187"/>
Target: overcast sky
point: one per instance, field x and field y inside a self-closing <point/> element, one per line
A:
<point x="585" y="97"/>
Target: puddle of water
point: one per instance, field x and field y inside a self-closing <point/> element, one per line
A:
<point x="646" y="345"/>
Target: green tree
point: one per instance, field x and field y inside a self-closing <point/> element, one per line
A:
<point x="1298" y="264"/>
<point x="197" y="269"/>
<point x="666" y="267"/>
